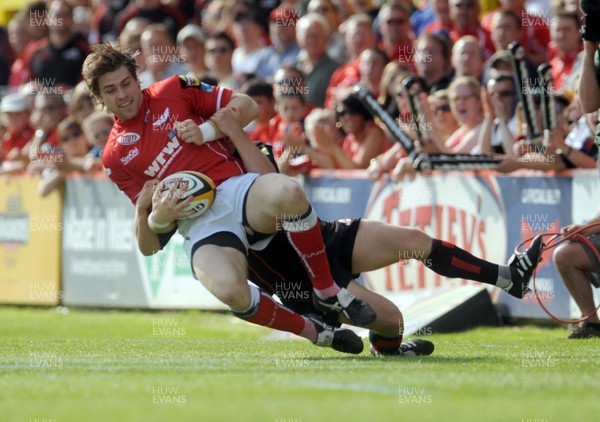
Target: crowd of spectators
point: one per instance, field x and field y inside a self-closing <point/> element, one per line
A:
<point x="299" y="60"/>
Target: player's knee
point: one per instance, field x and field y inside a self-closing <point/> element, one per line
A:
<point x="563" y="256"/>
<point x="420" y="241"/>
<point x="287" y="193"/>
<point x="390" y="322"/>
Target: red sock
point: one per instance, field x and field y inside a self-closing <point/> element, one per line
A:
<point x="385" y="345"/>
<point x="304" y="233"/>
<point x="268" y="313"/>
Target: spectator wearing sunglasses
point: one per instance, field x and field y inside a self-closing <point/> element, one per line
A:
<point x="396" y="33"/>
<point x="500" y="124"/>
<point x="219" y="52"/>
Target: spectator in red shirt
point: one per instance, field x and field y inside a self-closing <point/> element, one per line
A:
<point x="262" y="94"/>
<point x="18" y="37"/>
<point x="443" y="21"/>
<point x="566" y="39"/>
<point x="14" y="116"/>
<point x="465" y="16"/>
<point x="358" y="35"/>
<point x="535" y="32"/>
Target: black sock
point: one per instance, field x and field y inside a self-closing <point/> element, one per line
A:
<point x="451" y="261"/>
<point x="385" y="345"/>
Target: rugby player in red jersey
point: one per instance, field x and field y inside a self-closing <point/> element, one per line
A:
<point x="354" y="246"/>
<point x="165" y="129"/>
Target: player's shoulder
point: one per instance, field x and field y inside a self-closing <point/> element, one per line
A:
<point x="179" y="83"/>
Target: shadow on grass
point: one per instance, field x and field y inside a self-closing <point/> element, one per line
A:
<point x="401" y="359"/>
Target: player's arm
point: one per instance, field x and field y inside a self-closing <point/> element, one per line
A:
<point x="589" y="89"/>
<point x="227" y="120"/>
<point x="149" y="242"/>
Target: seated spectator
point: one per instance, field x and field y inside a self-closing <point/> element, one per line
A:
<point x="567" y="41"/>
<point x="387" y="87"/>
<point x="96" y="128"/>
<point x="219" y="50"/>
<point x="59" y="59"/>
<point x="48" y="111"/>
<point x="291" y="110"/>
<point x="396" y="33"/>
<point x="371" y="65"/>
<point x="18" y="37"/>
<point x="465" y="18"/>
<point x="70" y="156"/>
<point x="443" y="120"/>
<point x="153" y="11"/>
<point x="358" y="36"/>
<point x="433" y="61"/>
<point x="262" y="93"/>
<point x="81" y="104"/>
<point x="131" y="39"/>
<point x="442" y="21"/>
<point x="576" y="150"/>
<point x="191" y="42"/>
<point x="161" y="54"/>
<point x="467" y="108"/>
<point x="320" y="128"/>
<point x="534" y="33"/>
<point x="284" y="48"/>
<point x="500" y="123"/>
<point x="14" y="117"/>
<point x="103" y="20"/>
<point x="313" y="34"/>
<point x="248" y="32"/>
<point x="336" y="46"/>
<point x="468" y="58"/>
<point x="364" y="140"/>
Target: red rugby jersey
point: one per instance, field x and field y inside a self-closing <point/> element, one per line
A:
<point x="147" y="147"/>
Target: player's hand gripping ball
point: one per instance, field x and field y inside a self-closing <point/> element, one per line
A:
<point x="195" y="184"/>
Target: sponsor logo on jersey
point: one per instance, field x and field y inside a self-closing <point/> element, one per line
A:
<point x="162" y="119"/>
<point x="128" y="138"/>
<point x="164" y="158"/>
<point x="206" y="87"/>
<point x="132" y="154"/>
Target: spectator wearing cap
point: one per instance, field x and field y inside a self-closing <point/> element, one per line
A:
<point x="247" y="31"/>
<point x="161" y="54"/>
<point x="153" y="11"/>
<point x="284" y="48"/>
<point x="364" y="140"/>
<point x="191" y="42"/>
<point x="219" y="50"/>
<point x="14" y="115"/>
<point x="336" y="46"/>
<point x="313" y="34"/>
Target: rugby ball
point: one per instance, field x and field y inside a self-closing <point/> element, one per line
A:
<point x="195" y="184"/>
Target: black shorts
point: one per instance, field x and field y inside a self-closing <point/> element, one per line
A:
<point x="277" y="269"/>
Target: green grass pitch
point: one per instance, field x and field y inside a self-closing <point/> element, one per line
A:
<point x="196" y="366"/>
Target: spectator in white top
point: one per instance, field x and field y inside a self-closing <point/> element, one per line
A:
<point x="162" y="55"/>
<point x="247" y="32"/>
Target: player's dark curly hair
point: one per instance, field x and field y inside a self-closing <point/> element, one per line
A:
<point x="106" y="58"/>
